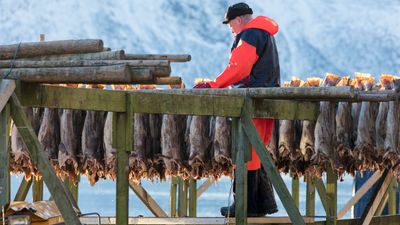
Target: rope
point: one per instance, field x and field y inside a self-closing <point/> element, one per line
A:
<point x="13" y="61"/>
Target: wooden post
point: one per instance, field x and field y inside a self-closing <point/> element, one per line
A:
<point x="192" y="197"/>
<point x="310" y="196"/>
<point x="173" y="190"/>
<point x="4" y="157"/>
<point x="23" y="190"/>
<point x="296" y="190"/>
<point x="269" y="166"/>
<point x="331" y="196"/>
<point x="62" y="197"/>
<point x="37" y="189"/>
<point x="242" y="146"/>
<point x="182" y="197"/>
<point x="122" y="207"/>
<point x="392" y="197"/>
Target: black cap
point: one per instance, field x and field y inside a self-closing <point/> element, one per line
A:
<point x="238" y="9"/>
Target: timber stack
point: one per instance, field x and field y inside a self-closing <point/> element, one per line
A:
<point x="84" y="61"/>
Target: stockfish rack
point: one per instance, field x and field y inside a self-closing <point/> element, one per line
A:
<point x="240" y="104"/>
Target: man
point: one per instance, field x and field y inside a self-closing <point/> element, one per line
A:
<point x="253" y="63"/>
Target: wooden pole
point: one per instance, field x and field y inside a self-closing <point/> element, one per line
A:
<point x="168" y="80"/>
<point x="109" y="55"/>
<point x="192" y="197"/>
<point x="34" y="49"/>
<point x="241" y="176"/>
<point x="82" y="63"/>
<point x="116" y="74"/>
<point x="173" y="190"/>
<point x="392" y="209"/>
<point x="23" y="190"/>
<point x="296" y="191"/>
<point x="310" y="197"/>
<point x="172" y="58"/>
<point x="37" y="189"/>
<point x="331" y="196"/>
<point x="4" y="157"/>
<point x="147" y="200"/>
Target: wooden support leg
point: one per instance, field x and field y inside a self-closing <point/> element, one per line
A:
<point x="23" y="190"/>
<point x="192" y="197"/>
<point x="4" y="157"/>
<point x="310" y="197"/>
<point x="173" y="190"/>
<point x="62" y="197"/>
<point x="296" y="191"/>
<point x="182" y="197"/>
<point x="241" y="176"/>
<point x="331" y="196"/>
<point x="122" y="208"/>
<point x="269" y="166"/>
<point x="37" y="189"/>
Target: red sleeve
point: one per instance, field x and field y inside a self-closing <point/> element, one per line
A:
<point x="242" y="59"/>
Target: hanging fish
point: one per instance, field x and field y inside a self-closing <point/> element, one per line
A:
<point x="355" y="113"/>
<point x="365" y="146"/>
<point x="67" y="148"/>
<point x="200" y="146"/>
<point x="109" y="152"/>
<point x="307" y="139"/>
<point x="343" y="134"/>
<point x="325" y="132"/>
<point x="221" y="161"/>
<point x="157" y="169"/>
<point x="380" y="122"/>
<point x="272" y="145"/>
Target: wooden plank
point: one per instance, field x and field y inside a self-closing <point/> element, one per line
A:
<point x="192" y="197"/>
<point x="296" y="191"/>
<point x="147" y="200"/>
<point x="4" y="157"/>
<point x="23" y="190"/>
<point x="286" y="109"/>
<point x="383" y="185"/>
<point x="269" y="166"/>
<point x="203" y="187"/>
<point x="173" y="191"/>
<point x="331" y="196"/>
<point x="359" y="194"/>
<point x="319" y="184"/>
<point x="310" y="196"/>
<point x="7" y="88"/>
<point x="61" y="196"/>
<point x="182" y="104"/>
<point x="37" y="189"/>
<point x="48" y="96"/>
<point x="241" y="176"/>
<point x="122" y="186"/>
<point x="392" y="209"/>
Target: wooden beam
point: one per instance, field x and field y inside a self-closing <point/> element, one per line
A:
<point x="319" y="184"/>
<point x="382" y="204"/>
<point x="182" y="197"/>
<point x="47" y="96"/>
<point x="310" y="196"/>
<point x="286" y="109"/>
<point x="331" y="196"/>
<point x="61" y="196"/>
<point x="192" y="197"/>
<point x="4" y="157"/>
<point x="269" y="166"/>
<point x="123" y="122"/>
<point x="383" y="185"/>
<point x="7" y="88"/>
<point x="23" y="190"/>
<point x="296" y="191"/>
<point x="37" y="189"/>
<point x="203" y="187"/>
<point x="172" y="58"/>
<point x="241" y="204"/>
<point x="392" y="208"/>
<point x="359" y="194"/>
<point x="147" y="200"/>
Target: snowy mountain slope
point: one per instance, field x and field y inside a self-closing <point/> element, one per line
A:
<point x="315" y="36"/>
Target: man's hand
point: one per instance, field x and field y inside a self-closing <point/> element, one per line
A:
<point x="202" y="85"/>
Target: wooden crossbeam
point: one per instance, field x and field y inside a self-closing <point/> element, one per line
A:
<point x="203" y="187"/>
<point x="7" y="88"/>
<point x="269" y="166"/>
<point x="62" y="197"/>
<point x="23" y="190"/>
<point x="372" y="206"/>
<point x="147" y="200"/>
<point x="359" y="194"/>
<point x="319" y="185"/>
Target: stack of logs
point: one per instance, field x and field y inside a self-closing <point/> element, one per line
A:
<point x="84" y="61"/>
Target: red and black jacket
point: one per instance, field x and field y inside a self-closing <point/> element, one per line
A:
<point x="254" y="58"/>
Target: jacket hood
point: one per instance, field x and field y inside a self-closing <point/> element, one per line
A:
<point x="263" y="23"/>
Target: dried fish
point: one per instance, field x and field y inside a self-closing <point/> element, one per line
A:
<point x="222" y="162"/>
<point x="109" y="152"/>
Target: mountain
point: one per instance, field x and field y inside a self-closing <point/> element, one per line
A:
<point x="315" y="36"/>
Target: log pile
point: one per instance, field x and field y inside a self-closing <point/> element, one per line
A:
<point x="84" y="61"/>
